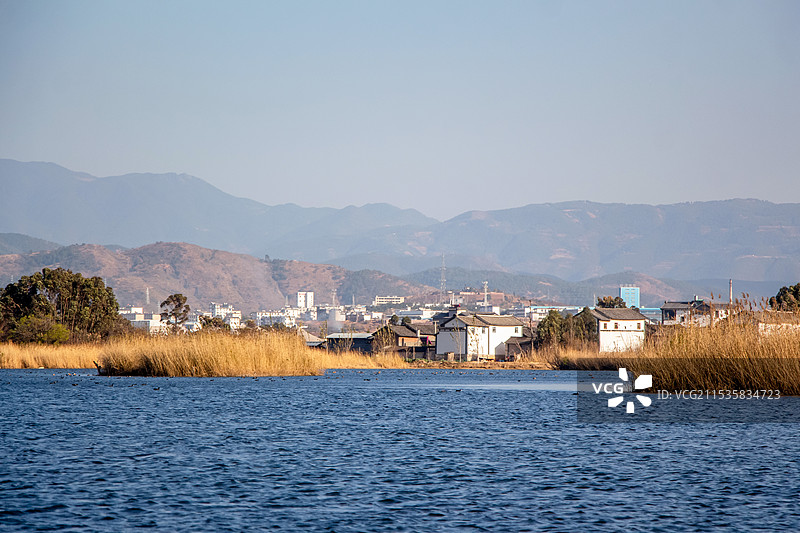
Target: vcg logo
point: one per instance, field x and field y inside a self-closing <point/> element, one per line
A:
<point x="645" y="381"/>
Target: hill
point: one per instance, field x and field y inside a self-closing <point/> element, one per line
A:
<point x="205" y="275"/>
<point x="16" y="243"/>
<point x="740" y="239"/>
<point x="136" y="209"/>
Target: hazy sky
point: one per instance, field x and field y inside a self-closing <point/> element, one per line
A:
<point x="444" y="106"/>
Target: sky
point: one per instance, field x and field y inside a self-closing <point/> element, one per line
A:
<point x="442" y="106"/>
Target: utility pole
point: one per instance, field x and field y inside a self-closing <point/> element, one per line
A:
<point x="442" y="282"/>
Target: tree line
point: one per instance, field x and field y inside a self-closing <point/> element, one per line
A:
<point x="57" y="305"/>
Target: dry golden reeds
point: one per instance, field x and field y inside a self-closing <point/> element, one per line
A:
<point x="205" y="354"/>
<point x="221" y="354"/>
<point x="727" y="356"/>
<point x="48" y="356"/>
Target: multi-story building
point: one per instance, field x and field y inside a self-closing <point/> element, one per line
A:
<point x="305" y="299"/>
<point x="388" y="300"/>
<point x="221" y="310"/>
<point x="473" y="337"/>
<point x="619" y="330"/>
<point x="630" y="295"/>
<point x="147" y="321"/>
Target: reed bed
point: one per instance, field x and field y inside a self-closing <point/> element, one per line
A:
<point x="48" y="356"/>
<point x="728" y="356"/>
<point x="221" y="354"/>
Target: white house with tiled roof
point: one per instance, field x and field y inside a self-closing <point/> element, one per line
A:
<point x="474" y="337"/>
<point x="619" y="330"/>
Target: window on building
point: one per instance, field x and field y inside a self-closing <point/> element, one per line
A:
<point x="638" y="325"/>
<point x="494" y="329"/>
<point x="605" y="325"/>
<point x="616" y="325"/>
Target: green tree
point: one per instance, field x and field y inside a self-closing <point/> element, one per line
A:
<point x="611" y="302"/>
<point x="214" y="323"/>
<point x="587" y="323"/>
<point x="787" y="299"/>
<point x="551" y="329"/>
<point x="84" y="307"/>
<point x="176" y="310"/>
<point x="40" y="329"/>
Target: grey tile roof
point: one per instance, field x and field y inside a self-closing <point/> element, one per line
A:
<point x="604" y="313"/>
<point x="488" y="320"/>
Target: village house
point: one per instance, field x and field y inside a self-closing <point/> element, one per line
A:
<point x="474" y="337"/>
<point x="619" y="330"/>
<point x="695" y="312"/>
<point x="349" y="341"/>
<point x="413" y="340"/>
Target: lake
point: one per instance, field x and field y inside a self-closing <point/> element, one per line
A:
<point x="390" y="450"/>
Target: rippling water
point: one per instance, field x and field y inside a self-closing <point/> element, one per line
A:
<point x="372" y="451"/>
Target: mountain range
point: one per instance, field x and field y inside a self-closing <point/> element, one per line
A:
<point x="203" y="275"/>
<point x="742" y="239"/>
<point x="157" y="270"/>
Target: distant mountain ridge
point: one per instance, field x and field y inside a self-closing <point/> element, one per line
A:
<point x="250" y="284"/>
<point x="741" y="239"/>
<point x="204" y="275"/>
<point x="50" y="202"/>
<point x="16" y="243"/>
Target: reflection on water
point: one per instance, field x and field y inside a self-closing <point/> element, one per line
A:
<point x="415" y="450"/>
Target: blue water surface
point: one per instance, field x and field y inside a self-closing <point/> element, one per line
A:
<point x="391" y="450"/>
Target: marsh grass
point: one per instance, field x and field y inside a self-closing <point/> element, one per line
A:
<point x="221" y="354"/>
<point x="205" y="354"/>
<point x="48" y="356"/>
<point x="727" y="356"/>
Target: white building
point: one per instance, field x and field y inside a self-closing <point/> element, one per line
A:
<point x="286" y="317"/>
<point x="147" y="321"/>
<point x="416" y="314"/>
<point x="222" y="310"/>
<point x="619" y="330"/>
<point x="537" y="313"/>
<point x="305" y="299"/>
<point x="388" y="300"/>
<point x="473" y="337"/>
<point x="228" y="314"/>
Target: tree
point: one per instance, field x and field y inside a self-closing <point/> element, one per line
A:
<point x="214" y="323"/>
<point x="611" y="302"/>
<point x="551" y="328"/>
<point x="57" y="300"/>
<point x="587" y="324"/>
<point x="556" y="329"/>
<point x="40" y="329"/>
<point x="787" y="299"/>
<point x="383" y="340"/>
<point x="176" y="310"/>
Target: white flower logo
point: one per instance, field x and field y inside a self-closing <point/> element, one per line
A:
<point x="645" y="381"/>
